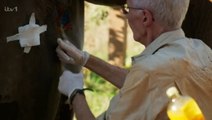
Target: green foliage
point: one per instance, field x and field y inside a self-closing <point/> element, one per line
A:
<point x="96" y="40"/>
<point x="98" y="100"/>
<point x="95" y="18"/>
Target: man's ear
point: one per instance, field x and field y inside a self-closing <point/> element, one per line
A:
<point x="148" y="18"/>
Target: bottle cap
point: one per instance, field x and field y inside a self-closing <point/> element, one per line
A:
<point x="172" y="91"/>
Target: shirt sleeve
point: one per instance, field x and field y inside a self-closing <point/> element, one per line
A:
<point x="143" y="95"/>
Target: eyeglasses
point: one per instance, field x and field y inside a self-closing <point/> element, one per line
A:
<point x="126" y="9"/>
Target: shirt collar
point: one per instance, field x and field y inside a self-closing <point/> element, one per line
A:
<point x="163" y="39"/>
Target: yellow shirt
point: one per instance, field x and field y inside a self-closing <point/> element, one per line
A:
<point x="172" y="59"/>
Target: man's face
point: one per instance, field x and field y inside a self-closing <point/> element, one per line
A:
<point x="135" y="17"/>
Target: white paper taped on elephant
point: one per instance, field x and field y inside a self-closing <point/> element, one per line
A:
<point x="29" y="35"/>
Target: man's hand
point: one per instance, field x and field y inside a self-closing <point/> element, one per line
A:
<point x="69" y="54"/>
<point x="69" y="82"/>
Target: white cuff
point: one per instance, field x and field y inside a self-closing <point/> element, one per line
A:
<point x="86" y="56"/>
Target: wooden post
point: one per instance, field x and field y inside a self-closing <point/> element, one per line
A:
<point x="198" y="22"/>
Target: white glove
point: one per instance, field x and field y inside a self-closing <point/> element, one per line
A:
<point x="69" y="82"/>
<point x="69" y="54"/>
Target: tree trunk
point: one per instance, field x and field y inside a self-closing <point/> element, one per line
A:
<point x="28" y="82"/>
<point x="74" y="29"/>
<point x="117" y="37"/>
<point x="198" y="22"/>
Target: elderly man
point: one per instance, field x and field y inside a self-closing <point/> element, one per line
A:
<point x="170" y="59"/>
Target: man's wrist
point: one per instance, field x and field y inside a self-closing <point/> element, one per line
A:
<point x="86" y="56"/>
<point x="75" y="92"/>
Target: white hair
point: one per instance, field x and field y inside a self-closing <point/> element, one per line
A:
<point x="169" y="13"/>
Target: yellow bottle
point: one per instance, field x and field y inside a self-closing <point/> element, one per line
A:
<point x="182" y="107"/>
